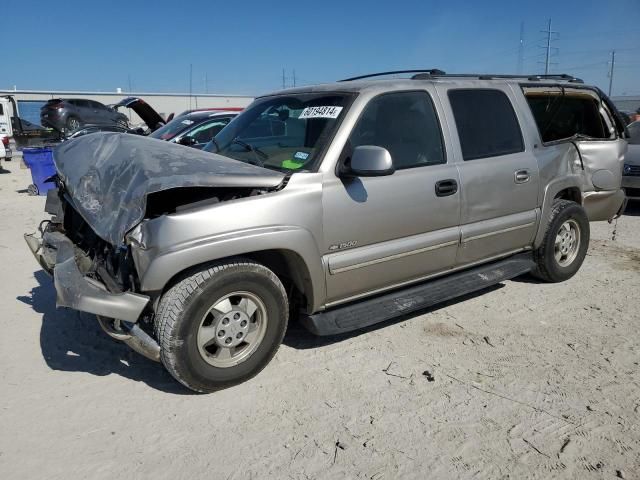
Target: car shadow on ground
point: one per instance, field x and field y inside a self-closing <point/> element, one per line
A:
<point x="74" y="342"/>
<point x="299" y="338"/>
<point x="633" y="208"/>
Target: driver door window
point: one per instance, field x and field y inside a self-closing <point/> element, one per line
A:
<point x="406" y="125"/>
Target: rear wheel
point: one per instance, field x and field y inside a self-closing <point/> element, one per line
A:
<point x="221" y="325"/>
<point x="565" y="243"/>
<point x="72" y="125"/>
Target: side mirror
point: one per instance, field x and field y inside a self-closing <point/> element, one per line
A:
<point x="369" y="161"/>
<point x="187" y="141"/>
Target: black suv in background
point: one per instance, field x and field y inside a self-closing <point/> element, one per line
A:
<point x="68" y="114"/>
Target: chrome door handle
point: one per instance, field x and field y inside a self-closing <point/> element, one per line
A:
<point x="521" y="176"/>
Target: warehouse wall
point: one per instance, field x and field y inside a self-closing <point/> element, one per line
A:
<point x="29" y="101"/>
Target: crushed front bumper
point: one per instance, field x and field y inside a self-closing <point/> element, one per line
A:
<point x="56" y="254"/>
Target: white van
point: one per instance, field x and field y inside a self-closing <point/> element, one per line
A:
<point x="6" y="132"/>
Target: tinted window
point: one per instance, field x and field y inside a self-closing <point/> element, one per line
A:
<point x="634" y="133"/>
<point x="96" y="105"/>
<point x="79" y="103"/>
<point x="404" y="123"/>
<point x="486" y="122"/>
<point x="205" y="132"/>
<point x="1" y="110"/>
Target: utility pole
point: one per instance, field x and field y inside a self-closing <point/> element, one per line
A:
<point x="190" y="83"/>
<point x="613" y="63"/>
<point x="294" y="77"/>
<point x="283" y="85"/>
<point x="521" y="49"/>
<point x="548" y="47"/>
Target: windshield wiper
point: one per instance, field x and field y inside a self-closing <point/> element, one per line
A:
<point x="250" y="148"/>
<point x="215" y="142"/>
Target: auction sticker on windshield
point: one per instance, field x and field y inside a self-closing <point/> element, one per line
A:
<point x="320" y="112"/>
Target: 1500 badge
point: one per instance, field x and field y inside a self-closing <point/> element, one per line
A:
<point x="343" y="245"/>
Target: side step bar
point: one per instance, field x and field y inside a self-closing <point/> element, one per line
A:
<point x="364" y="313"/>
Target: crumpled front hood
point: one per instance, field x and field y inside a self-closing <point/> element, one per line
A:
<point x="109" y="175"/>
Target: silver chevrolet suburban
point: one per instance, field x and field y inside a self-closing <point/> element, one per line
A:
<point x="344" y="205"/>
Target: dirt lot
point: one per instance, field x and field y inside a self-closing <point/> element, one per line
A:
<point x="526" y="380"/>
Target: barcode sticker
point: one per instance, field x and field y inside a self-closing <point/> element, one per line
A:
<point x="321" y="112"/>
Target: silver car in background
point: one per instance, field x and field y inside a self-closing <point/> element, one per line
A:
<point x="631" y="169"/>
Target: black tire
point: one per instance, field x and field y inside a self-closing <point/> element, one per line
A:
<point x="548" y="267"/>
<point x="72" y="125"/>
<point x="183" y="306"/>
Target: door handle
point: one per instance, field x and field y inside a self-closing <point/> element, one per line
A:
<point x="521" y="176"/>
<point x="444" y="188"/>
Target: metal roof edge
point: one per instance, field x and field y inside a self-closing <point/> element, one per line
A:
<point x="67" y="93"/>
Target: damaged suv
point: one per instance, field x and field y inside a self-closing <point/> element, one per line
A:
<point x="346" y="204"/>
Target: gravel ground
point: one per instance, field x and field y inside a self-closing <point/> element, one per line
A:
<point x="525" y="380"/>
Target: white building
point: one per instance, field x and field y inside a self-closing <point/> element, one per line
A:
<point x="30" y="101"/>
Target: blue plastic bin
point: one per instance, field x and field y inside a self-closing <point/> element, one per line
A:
<point x="40" y="162"/>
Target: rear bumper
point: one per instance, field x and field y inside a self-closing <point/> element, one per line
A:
<point x="53" y="120"/>
<point x="56" y="254"/>
<point x="603" y="204"/>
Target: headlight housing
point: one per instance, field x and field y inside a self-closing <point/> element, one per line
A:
<point x="626" y="170"/>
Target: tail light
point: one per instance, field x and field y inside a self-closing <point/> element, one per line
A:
<point x="5" y="141"/>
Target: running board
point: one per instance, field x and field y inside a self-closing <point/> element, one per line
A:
<point x="364" y="313"/>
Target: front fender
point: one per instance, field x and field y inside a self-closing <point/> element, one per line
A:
<point x="157" y="267"/>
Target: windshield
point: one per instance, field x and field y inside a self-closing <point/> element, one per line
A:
<point x="285" y="132"/>
<point x="173" y="128"/>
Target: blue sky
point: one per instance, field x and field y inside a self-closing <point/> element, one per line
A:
<point x="242" y="46"/>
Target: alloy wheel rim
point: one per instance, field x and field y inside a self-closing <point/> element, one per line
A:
<point x="567" y="243"/>
<point x="232" y="329"/>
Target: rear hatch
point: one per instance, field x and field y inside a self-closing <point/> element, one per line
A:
<point x="149" y="116"/>
<point x="49" y="111"/>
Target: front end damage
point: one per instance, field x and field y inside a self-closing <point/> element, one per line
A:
<point x="83" y="282"/>
<point x="102" y="193"/>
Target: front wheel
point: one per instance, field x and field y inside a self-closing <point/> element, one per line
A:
<point x="565" y="243"/>
<point x="222" y="324"/>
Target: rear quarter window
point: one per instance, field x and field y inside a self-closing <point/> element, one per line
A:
<point x="561" y="116"/>
<point x="486" y="122"/>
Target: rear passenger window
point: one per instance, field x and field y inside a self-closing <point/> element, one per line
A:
<point x="486" y="122"/>
<point x="406" y="124"/>
<point x="560" y="115"/>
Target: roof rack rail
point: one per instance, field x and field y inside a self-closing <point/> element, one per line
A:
<point x="432" y="71"/>
<point x="491" y="76"/>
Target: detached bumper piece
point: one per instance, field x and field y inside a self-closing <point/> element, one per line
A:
<point x="56" y="254"/>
